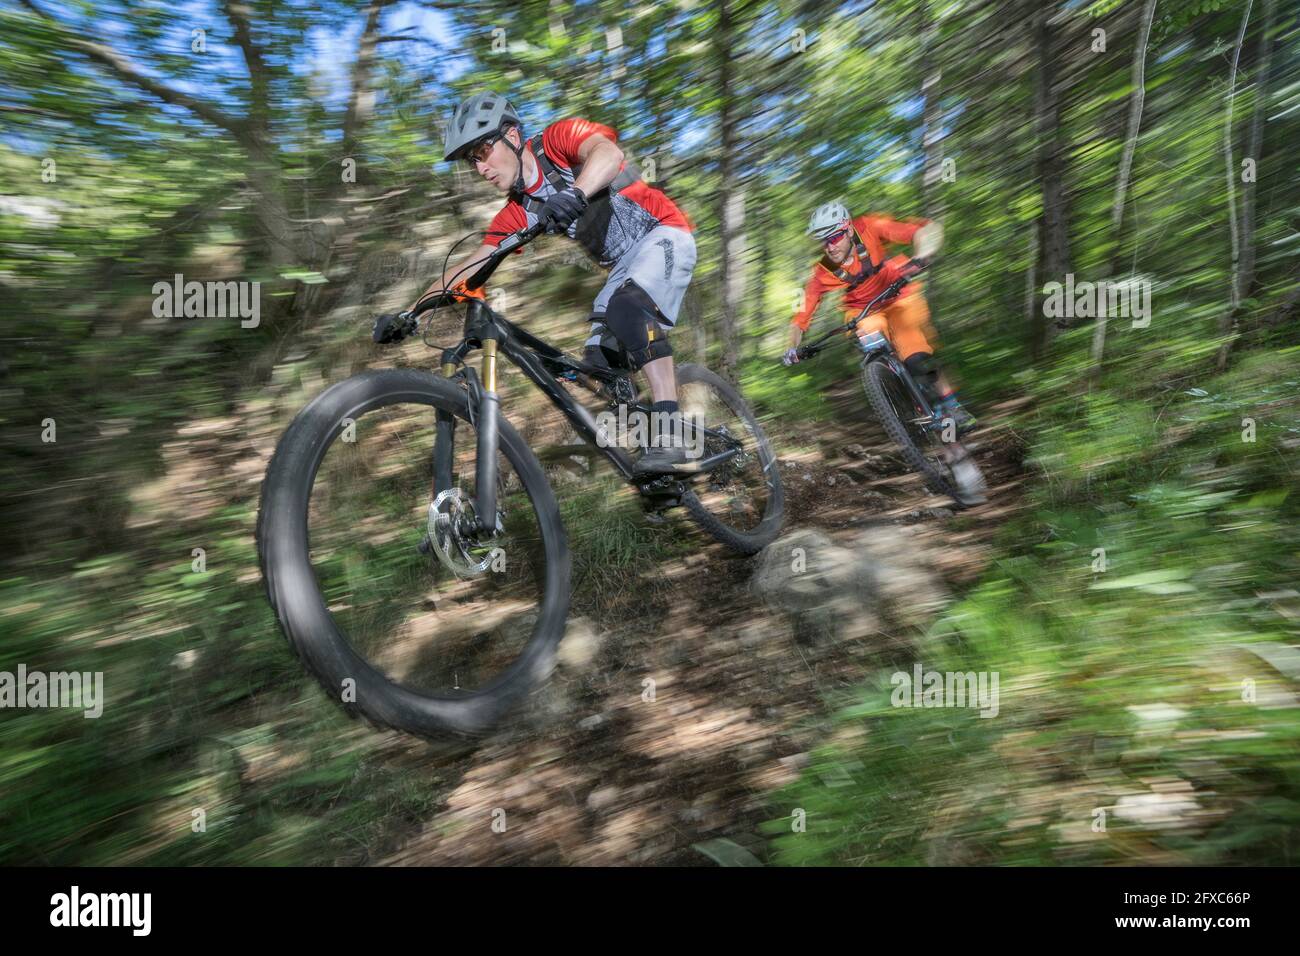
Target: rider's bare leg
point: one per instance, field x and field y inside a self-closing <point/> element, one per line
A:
<point x="662" y="378"/>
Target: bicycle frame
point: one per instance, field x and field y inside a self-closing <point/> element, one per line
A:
<point x="540" y="362"/>
<point x="496" y="336"/>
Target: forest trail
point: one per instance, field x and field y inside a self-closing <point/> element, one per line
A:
<point x="591" y="772"/>
<point x="595" y="773"/>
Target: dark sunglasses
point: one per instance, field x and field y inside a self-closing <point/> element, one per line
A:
<point x="835" y="237"/>
<point x="481" y="152"/>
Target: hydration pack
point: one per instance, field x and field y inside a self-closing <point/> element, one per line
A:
<point x="593" y="224"/>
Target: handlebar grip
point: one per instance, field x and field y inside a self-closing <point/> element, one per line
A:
<point x="508" y="243"/>
<point x="392" y="328"/>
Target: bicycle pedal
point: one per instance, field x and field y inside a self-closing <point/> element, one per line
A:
<point x="660" y="493"/>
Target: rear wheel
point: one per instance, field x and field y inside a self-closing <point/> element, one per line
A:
<point x="390" y="630"/>
<point x="909" y="428"/>
<point x="740" y="502"/>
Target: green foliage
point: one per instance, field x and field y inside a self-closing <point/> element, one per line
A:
<point x="616" y="553"/>
<point x="1136" y="690"/>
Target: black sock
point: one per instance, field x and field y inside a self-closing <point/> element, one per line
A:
<point x="662" y="418"/>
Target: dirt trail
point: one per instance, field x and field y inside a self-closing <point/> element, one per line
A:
<point x="596" y="773"/>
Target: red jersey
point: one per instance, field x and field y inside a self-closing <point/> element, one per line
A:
<point x="632" y="211"/>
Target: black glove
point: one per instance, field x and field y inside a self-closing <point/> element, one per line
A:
<point x="393" y="327"/>
<point x="560" y="211"/>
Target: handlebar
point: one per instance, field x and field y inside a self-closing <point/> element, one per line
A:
<point x="509" y="244"/>
<point x="891" y="290"/>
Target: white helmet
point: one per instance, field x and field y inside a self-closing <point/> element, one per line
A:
<point x="828" y="219"/>
<point x="482" y="115"/>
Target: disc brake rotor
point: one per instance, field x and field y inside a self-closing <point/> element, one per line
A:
<point x="448" y="513"/>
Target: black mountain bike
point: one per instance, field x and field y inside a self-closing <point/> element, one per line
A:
<point x="926" y="438"/>
<point x="410" y="541"/>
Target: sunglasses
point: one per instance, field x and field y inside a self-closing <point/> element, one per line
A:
<point x="835" y="237"/>
<point x="481" y="152"/>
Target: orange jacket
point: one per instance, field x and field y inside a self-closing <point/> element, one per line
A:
<point x="875" y="231"/>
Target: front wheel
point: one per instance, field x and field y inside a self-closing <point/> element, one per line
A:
<point x="740" y="502"/>
<point x="390" y="631"/>
<point x="909" y="427"/>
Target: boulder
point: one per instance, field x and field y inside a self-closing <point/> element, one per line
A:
<point x="828" y="594"/>
<point x="874" y="583"/>
<point x="904" y="573"/>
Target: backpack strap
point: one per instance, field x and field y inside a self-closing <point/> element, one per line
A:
<point x="551" y="173"/>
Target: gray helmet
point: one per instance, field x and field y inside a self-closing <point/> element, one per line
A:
<point x="481" y="115"/>
<point x="828" y="219"/>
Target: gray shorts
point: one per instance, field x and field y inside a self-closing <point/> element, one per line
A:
<point x="661" y="263"/>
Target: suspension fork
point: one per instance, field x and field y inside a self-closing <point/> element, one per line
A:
<point x="489" y="413"/>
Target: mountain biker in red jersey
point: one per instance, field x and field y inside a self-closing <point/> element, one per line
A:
<point x="854" y="260"/>
<point x="573" y="178"/>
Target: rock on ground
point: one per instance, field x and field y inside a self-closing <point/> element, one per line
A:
<point x="835" y="591"/>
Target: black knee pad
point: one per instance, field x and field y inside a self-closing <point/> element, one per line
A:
<point x="633" y="317"/>
<point x="923" y="367"/>
<point x="607" y="355"/>
<point x="925" y="370"/>
<point x="922" y="364"/>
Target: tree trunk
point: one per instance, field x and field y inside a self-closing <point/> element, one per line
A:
<point x="1255" y="149"/>
<point x="731" y="200"/>
<point x="1125" y="168"/>
<point x="758" y="320"/>
<point x="1243" y="285"/>
<point x="932" y="205"/>
<point x="1052" y="233"/>
<point x="1227" y="321"/>
<point x="281" y="236"/>
<point x="1035" y="321"/>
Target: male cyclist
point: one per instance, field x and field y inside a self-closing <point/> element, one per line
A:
<point x="854" y="260"/>
<point x="573" y="179"/>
